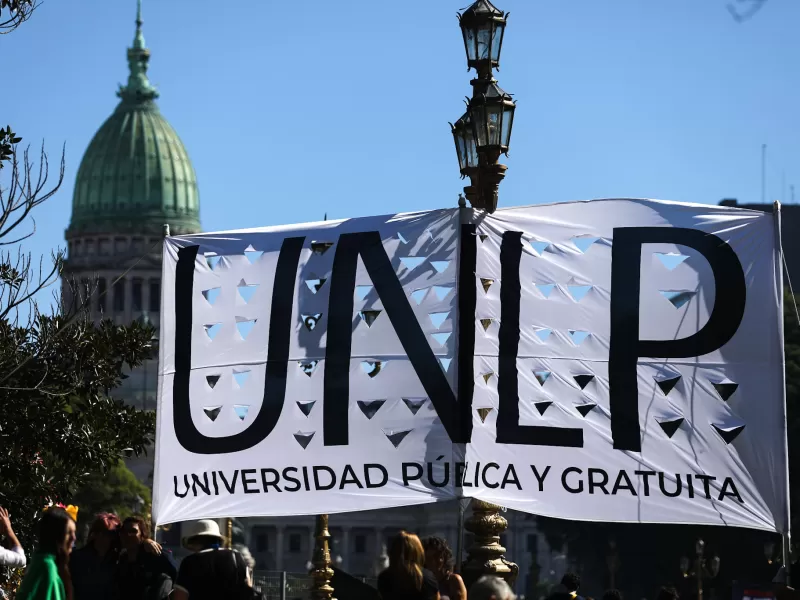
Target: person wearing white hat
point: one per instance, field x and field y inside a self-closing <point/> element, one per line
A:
<point x="211" y="572"/>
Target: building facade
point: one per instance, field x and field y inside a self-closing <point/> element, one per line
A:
<point x="134" y="178"/>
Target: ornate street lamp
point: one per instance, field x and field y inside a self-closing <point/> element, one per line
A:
<point x="484" y="132"/>
<point x="467" y="152"/>
<point x="482" y="26"/>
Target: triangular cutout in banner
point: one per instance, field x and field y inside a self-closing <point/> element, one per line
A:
<point x="370" y="407"/>
<point x="396" y="436"/>
<point x="212" y="412"/>
<point x="304" y="438"/>
<point x="305" y="407"/>
<point x="483" y="413"/>
<point x="671" y="426"/>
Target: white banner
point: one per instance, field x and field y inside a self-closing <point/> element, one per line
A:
<point x="612" y="360"/>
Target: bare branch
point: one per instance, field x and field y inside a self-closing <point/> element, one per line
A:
<point x="26" y="190"/>
<point x="14" y="13"/>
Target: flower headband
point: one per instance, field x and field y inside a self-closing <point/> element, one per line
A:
<point x="71" y="510"/>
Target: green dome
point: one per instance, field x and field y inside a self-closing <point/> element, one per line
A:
<point x="136" y="174"/>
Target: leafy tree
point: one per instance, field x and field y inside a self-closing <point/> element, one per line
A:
<point x="59" y="423"/>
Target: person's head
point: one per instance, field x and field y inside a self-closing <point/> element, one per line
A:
<point x="406" y="559"/>
<point x="56" y="534"/>
<point x="134" y="532"/>
<point x="201" y="535"/>
<point x="612" y="595"/>
<point x="438" y="556"/>
<point x="490" y="587"/>
<point x="572" y="582"/>
<point x="104" y="532"/>
<point x="667" y="593"/>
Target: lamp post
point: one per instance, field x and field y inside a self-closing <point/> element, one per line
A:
<point x="483" y="133"/>
<point x="486" y="555"/>
<point x="702" y="569"/>
<point x="613" y="563"/>
<point x="323" y="573"/>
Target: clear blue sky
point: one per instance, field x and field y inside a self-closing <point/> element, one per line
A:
<point x="293" y="109"/>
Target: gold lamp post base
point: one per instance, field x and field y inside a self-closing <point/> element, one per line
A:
<point x="322" y="574"/>
<point x="485" y="556"/>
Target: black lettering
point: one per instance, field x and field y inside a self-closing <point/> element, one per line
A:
<point x="214" y="481"/>
<point x="690" y="485"/>
<point x="407" y="477"/>
<point x="488" y="466"/>
<point x="706" y="479"/>
<point x="275" y="479"/>
<point x="467" y="303"/>
<point x="446" y="480"/>
<point x="291" y="479"/>
<point x="331" y="475"/>
<point x="404" y="321"/>
<point x="566" y="472"/>
<point x="186" y="483"/>
<point x="625" y="345"/>
<point x="305" y="479"/>
<point x="601" y="485"/>
<point x="203" y="486"/>
<point x="383" y="472"/>
<point x="461" y="471"/>
<point x="540" y="478"/>
<point x="352" y="479"/>
<point x="248" y="482"/>
<point x="231" y="487"/>
<point x="510" y="478"/>
<point x="477" y="472"/>
<point x="623" y="482"/>
<point x="646" y="480"/>
<point x="280" y="330"/>
<point x="678" y="485"/>
<point x="509" y="431"/>
<point x="733" y="493"/>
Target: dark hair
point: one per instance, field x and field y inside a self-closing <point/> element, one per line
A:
<point x="440" y="548"/>
<point x="612" y="595"/>
<point x="204" y="541"/>
<point x="50" y="539"/>
<point x="667" y="593"/>
<point x="144" y="529"/>
<point x="103" y="523"/>
<point x="571" y="581"/>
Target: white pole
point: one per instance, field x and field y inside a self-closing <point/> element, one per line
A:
<point x="786" y="536"/>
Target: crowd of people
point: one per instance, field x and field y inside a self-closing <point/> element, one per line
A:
<point x="424" y="571"/>
<point x="120" y="561"/>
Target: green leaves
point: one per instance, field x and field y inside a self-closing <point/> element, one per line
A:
<point x="8" y="139"/>
<point x="59" y="419"/>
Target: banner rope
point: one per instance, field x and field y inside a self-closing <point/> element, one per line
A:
<point x="791" y="290"/>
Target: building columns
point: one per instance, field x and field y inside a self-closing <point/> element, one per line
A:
<point x="279" y="546"/>
<point x="345" y="548"/>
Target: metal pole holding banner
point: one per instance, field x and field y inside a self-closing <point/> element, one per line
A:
<point x="460" y="542"/>
<point x="786" y="536"/>
<point x="322" y="574"/>
<point x="229" y="533"/>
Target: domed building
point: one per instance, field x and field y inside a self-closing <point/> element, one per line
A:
<point x="134" y="178"/>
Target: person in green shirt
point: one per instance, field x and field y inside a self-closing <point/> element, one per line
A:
<point x="47" y="577"/>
